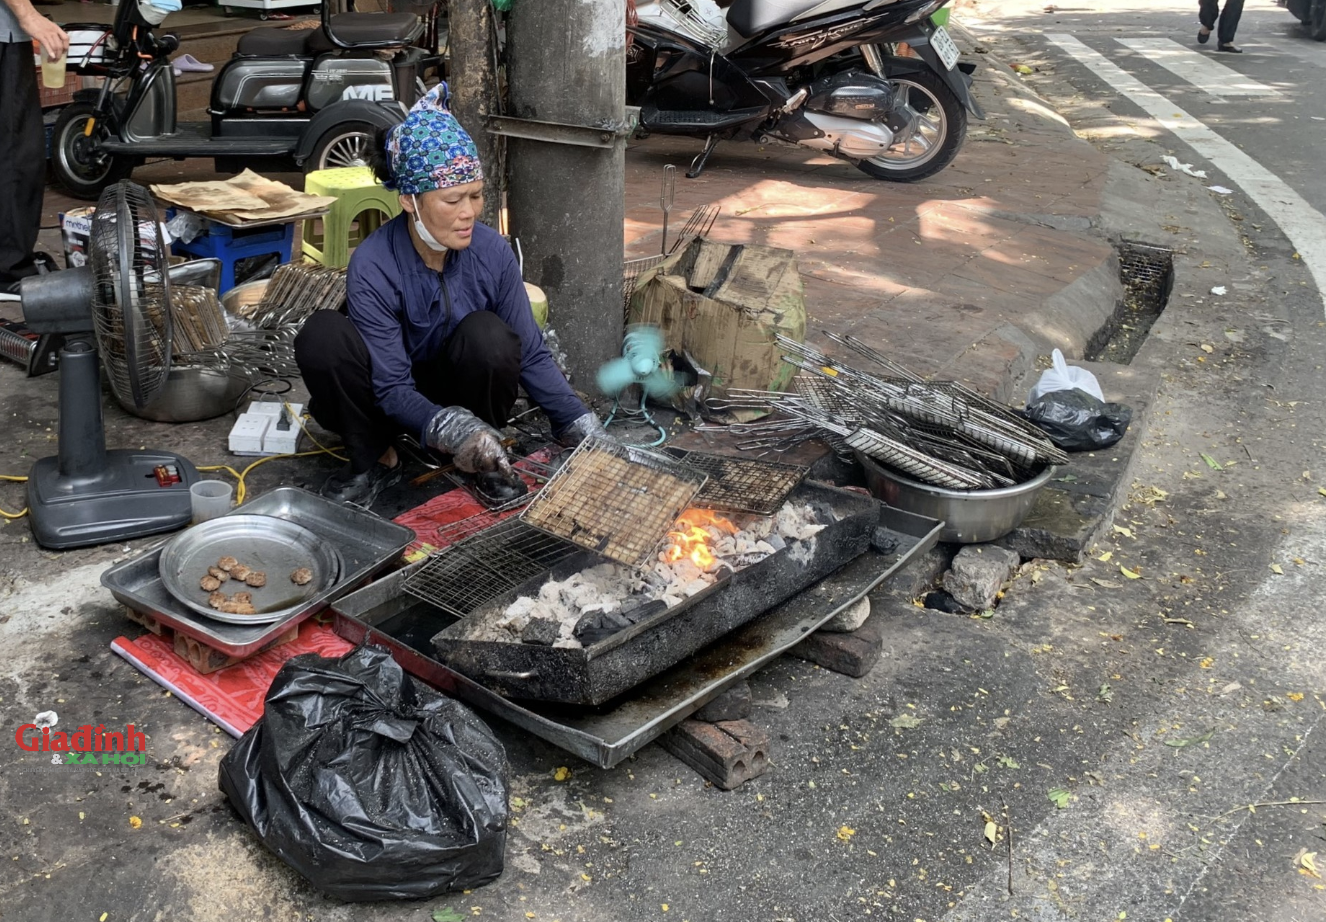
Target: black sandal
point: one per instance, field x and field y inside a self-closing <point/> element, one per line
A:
<point x="1230" y="48"/>
<point x="1202" y="35"/>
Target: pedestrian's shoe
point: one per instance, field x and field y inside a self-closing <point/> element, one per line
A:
<point x="361" y="489"/>
<point x="1202" y="35"/>
<point x="1229" y="47"/>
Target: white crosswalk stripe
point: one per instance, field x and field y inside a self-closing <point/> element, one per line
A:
<point x="1302" y="224"/>
<point x="1198" y="69"/>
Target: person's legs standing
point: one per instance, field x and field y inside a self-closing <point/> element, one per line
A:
<point x="22" y="143"/>
<point x="337" y="371"/>
<point x="1229" y="21"/>
<point x="479" y="369"/>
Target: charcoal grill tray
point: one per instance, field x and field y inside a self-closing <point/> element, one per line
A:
<point x="609" y="736"/>
<point x="594" y="675"/>
<point x="367" y="544"/>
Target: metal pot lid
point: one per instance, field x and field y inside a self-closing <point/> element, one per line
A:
<point x="275" y="546"/>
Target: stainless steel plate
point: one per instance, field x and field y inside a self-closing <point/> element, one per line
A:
<point x="276" y="546"/>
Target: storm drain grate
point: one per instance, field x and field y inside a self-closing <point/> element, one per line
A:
<point x="1147" y="273"/>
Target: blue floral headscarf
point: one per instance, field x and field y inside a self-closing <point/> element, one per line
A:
<point x="430" y="150"/>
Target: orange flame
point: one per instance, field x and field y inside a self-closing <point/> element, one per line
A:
<point x="690" y="538"/>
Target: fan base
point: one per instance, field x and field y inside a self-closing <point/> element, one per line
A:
<point x="124" y="499"/>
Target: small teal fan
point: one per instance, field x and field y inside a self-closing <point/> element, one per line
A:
<point x="642" y="363"/>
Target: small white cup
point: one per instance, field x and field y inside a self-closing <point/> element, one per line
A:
<point x="210" y="499"/>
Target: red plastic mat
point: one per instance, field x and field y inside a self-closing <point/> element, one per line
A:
<point x="232" y="697"/>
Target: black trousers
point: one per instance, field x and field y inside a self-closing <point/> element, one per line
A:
<point x="479" y="369"/>
<point x="23" y="153"/>
<point x="1229" y="18"/>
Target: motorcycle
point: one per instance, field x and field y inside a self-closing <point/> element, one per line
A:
<point x="316" y="97"/>
<point x="830" y="75"/>
<point x="1312" y="13"/>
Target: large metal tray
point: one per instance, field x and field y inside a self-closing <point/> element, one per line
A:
<point x="382" y="614"/>
<point x="272" y="545"/>
<point x="596" y="674"/>
<point x="367" y="545"/>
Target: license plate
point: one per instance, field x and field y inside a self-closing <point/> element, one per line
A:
<point x="947" y="50"/>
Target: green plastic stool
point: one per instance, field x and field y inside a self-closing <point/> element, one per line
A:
<point x="361" y="202"/>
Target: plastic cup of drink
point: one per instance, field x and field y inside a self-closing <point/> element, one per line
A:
<point x="210" y="499"/>
<point x="52" y="72"/>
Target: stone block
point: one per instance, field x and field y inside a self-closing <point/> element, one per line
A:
<point x="850" y="619"/>
<point x="727" y="754"/>
<point x="852" y="654"/>
<point x="732" y="704"/>
<point x="978" y="573"/>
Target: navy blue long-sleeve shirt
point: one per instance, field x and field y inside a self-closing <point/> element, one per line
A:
<point x="397" y="305"/>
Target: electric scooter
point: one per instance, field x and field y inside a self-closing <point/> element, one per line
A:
<point x="311" y="98"/>
<point x="824" y="74"/>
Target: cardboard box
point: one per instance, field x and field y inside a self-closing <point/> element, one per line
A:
<point x="76" y="232"/>
<point x="724" y="305"/>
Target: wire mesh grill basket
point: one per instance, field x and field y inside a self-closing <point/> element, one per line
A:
<point x="741" y="484"/>
<point x="467" y="575"/>
<point x="616" y="500"/>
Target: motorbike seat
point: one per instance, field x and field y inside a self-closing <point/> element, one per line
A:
<point x="373" y="28"/>
<point x="351" y="28"/>
<point x="276" y="40"/>
<point x="751" y="17"/>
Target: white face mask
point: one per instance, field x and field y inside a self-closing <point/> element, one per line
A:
<point x="424" y="233"/>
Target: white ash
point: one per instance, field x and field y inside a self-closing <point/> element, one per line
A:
<point x="608" y="586"/>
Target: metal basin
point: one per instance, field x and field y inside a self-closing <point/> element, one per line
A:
<point x="969" y="516"/>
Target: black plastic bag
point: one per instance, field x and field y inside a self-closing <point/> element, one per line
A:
<point x="1076" y="421"/>
<point x="369" y="785"/>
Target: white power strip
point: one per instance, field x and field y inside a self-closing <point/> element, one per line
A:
<point x="266" y="428"/>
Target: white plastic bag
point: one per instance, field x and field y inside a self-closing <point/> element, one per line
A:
<point x="1063" y="377"/>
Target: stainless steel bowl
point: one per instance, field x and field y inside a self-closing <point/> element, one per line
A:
<point x="969" y="516"/>
<point x="245" y="295"/>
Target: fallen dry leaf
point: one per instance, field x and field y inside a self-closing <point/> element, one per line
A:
<point x="1277" y="569"/>
<point x="1129" y="573"/>
<point x="1306" y="862"/>
<point x="991" y="832"/>
<point x="845" y="833"/>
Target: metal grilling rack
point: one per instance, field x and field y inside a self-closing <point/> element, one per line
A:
<point x="741" y="484"/>
<point x="295" y="292"/>
<point x="698" y="224"/>
<point x="616" y="500"/>
<point x="465" y="576"/>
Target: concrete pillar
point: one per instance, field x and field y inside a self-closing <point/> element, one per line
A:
<point x="473" y="82"/>
<point x="567" y="64"/>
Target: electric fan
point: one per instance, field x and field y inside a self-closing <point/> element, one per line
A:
<point x="87" y="494"/>
<point x="642" y="363"/>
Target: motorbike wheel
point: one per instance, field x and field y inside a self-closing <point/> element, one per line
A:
<point x="1316" y="21"/>
<point x="347" y="144"/>
<point x="78" y="165"/>
<point x="941" y="126"/>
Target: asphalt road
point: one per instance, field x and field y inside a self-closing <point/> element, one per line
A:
<point x="1251" y="121"/>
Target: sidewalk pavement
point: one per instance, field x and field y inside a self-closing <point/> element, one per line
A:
<point x="972" y="274"/>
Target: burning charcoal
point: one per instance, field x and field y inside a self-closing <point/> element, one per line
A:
<point x="644" y="610"/>
<point x="776" y="542"/>
<point x="598" y="626"/>
<point x="540" y="631"/>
